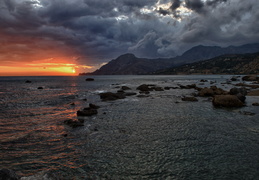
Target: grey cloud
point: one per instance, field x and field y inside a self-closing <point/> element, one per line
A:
<point x="103" y="29"/>
<point x="195" y="5"/>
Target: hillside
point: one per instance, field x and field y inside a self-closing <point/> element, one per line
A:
<point x="225" y="64"/>
<point x="130" y="64"/>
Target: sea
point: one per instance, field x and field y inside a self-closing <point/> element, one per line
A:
<point x="154" y="136"/>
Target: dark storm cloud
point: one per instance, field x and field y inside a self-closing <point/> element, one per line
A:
<point x="195" y="5"/>
<point x="103" y="29"/>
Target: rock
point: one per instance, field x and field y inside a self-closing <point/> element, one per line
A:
<point x="213" y="90"/>
<point x="73" y="123"/>
<point x="28" y="81"/>
<point x="124" y="88"/>
<point x="233" y="78"/>
<point x="89" y="79"/>
<point x="158" y="88"/>
<point x="87" y="112"/>
<point x="250" y="78"/>
<point x="254" y="86"/>
<point x="206" y="92"/>
<point x="203" y="80"/>
<point x="109" y="96"/>
<point x="239" y="92"/>
<point x="226" y="101"/>
<point x="130" y="94"/>
<point x="40" y="87"/>
<point x="93" y="106"/>
<point x="144" y="87"/>
<point x="189" y="99"/>
<point x="8" y="174"/>
<point x="142" y="96"/>
<point x="255" y="104"/>
<point x="235" y="91"/>
<point x="191" y="86"/>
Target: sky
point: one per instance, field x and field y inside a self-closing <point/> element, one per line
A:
<point x="65" y="37"/>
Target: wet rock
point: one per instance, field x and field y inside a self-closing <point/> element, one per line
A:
<point x="213" y="90"/>
<point x="8" y="174"/>
<point x="206" y="92"/>
<point x="89" y="79"/>
<point x="239" y="92"/>
<point x="234" y="91"/>
<point x="87" y="112"/>
<point x="93" y="106"/>
<point x="250" y="78"/>
<point x="28" y="81"/>
<point x="234" y="78"/>
<point x="124" y="88"/>
<point x="109" y="96"/>
<point x="255" y="104"/>
<point x="144" y="87"/>
<point x="40" y="87"/>
<point x="157" y="88"/>
<point x="193" y="99"/>
<point x="203" y="80"/>
<point x="144" y="92"/>
<point x="130" y="93"/>
<point x="226" y="101"/>
<point x="73" y="123"/>
<point x="142" y="96"/>
<point x="72" y="104"/>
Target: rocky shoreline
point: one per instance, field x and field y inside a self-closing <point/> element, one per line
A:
<point x="204" y="90"/>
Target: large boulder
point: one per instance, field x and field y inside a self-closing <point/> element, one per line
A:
<point x="8" y="174"/>
<point x="239" y="92"/>
<point x="213" y="90"/>
<point x="226" y="101"/>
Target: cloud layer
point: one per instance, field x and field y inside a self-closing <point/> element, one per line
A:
<point x="90" y="32"/>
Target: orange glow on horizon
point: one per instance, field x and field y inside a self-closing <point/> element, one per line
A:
<point x="39" y="69"/>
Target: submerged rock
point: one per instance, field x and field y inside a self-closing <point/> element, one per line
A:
<point x="89" y="79"/>
<point x="124" y="88"/>
<point x="73" y="123"/>
<point x="8" y="174"/>
<point x="28" y="81"/>
<point x="40" y="87"/>
<point x="193" y="99"/>
<point x="226" y="101"/>
<point x="255" y="104"/>
<point x="86" y="112"/>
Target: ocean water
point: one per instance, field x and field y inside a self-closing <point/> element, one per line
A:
<point x="155" y="137"/>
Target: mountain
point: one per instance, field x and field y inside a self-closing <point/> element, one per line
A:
<point x="225" y="64"/>
<point x="130" y="64"/>
<point x="200" y="52"/>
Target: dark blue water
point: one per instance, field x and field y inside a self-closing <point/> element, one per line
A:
<point x="157" y="137"/>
